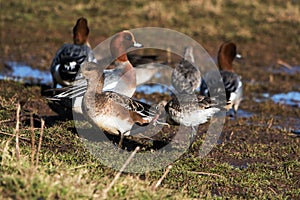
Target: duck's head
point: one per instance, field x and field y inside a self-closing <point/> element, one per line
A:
<point x="188" y="54"/>
<point x="91" y="70"/>
<point x="120" y="43"/>
<point x="81" y="31"/>
<point x="226" y="55"/>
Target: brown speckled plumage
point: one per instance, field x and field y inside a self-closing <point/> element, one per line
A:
<point x="186" y="77"/>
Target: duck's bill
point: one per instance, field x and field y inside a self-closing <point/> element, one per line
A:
<point x="238" y="56"/>
<point x="137" y="45"/>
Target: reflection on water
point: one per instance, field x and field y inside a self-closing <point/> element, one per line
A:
<point x="27" y="74"/>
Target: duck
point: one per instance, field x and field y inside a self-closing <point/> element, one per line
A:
<point x="110" y="111"/>
<point x="68" y="58"/>
<point x="190" y="110"/>
<point x="187" y="110"/>
<point x="186" y="77"/>
<point x="232" y="81"/>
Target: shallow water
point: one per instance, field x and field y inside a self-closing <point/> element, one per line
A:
<point x="244" y="114"/>
<point x="291" y="98"/>
<point x="292" y="70"/>
<point x="154" y="88"/>
<point x="20" y="72"/>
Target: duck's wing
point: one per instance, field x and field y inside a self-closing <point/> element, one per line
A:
<point x="186" y="103"/>
<point x="67" y="62"/>
<point x="133" y="105"/>
<point x="232" y="83"/>
<point x="190" y="110"/>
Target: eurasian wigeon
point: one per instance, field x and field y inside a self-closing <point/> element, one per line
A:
<point x="69" y="57"/>
<point x="186" y="77"/>
<point x="111" y="112"/>
<point x="232" y="81"/>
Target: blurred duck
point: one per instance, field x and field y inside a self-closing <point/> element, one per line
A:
<point x="69" y="57"/>
<point x="112" y="112"/>
<point x="186" y="77"/>
<point x="232" y="81"/>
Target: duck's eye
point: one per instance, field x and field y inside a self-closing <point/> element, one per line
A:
<point x="128" y="37"/>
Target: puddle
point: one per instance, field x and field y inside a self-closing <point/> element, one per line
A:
<point x="291" y="98"/>
<point x="240" y="114"/>
<point x="292" y="70"/>
<point x="244" y="114"/>
<point x="154" y="88"/>
<point x="20" y="72"/>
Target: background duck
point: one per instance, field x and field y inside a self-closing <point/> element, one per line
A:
<point x="69" y="57"/>
<point x="232" y="81"/>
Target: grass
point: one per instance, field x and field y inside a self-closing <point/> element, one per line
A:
<point x="253" y="163"/>
<point x="47" y="25"/>
<point x="256" y="157"/>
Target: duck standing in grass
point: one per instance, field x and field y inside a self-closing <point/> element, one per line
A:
<point x="232" y="81"/>
<point x="110" y="111"/>
<point x="69" y="57"/>
<point x="187" y="108"/>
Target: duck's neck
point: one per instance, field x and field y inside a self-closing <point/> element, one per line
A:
<point x="87" y="44"/>
<point x="95" y="84"/>
<point x="226" y="56"/>
<point x="123" y="63"/>
<point x="81" y="42"/>
<point x="122" y="58"/>
<point x="127" y="81"/>
<point x="94" y="87"/>
<point x="188" y="55"/>
<point x="225" y="63"/>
